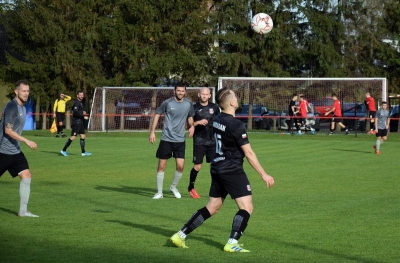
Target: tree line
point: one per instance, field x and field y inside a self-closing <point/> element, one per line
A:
<point x="70" y="45"/>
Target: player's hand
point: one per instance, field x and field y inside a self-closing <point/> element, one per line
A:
<point x="191" y="131"/>
<point x="54" y="115"/>
<point x="152" y="138"/>
<point x="86" y="117"/>
<point x="31" y="144"/>
<point x="269" y="180"/>
<point x="204" y="122"/>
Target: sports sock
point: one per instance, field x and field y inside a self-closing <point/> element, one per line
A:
<point x="67" y="144"/>
<point x="160" y="180"/>
<point x="177" y="177"/>
<point x="193" y="176"/>
<point x="378" y="144"/>
<point x="196" y="220"/>
<point x="372" y="125"/>
<point x="24" y="192"/>
<point x="239" y="224"/>
<point x="82" y="142"/>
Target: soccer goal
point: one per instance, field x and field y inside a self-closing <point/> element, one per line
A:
<point x="131" y="108"/>
<point x="274" y="94"/>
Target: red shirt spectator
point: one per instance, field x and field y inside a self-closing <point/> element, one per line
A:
<point x="303" y="104"/>
<point x="370" y="103"/>
<point x="338" y="108"/>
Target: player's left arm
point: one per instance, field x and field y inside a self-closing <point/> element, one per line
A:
<point x="191" y="126"/>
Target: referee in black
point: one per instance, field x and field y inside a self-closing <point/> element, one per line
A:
<point x="203" y="137"/>
<point x="227" y="174"/>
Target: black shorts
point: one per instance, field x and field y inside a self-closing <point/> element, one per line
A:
<point x="13" y="163"/>
<point x="168" y="149"/>
<point x="200" y="150"/>
<point x="60" y="116"/>
<point x="382" y="133"/>
<point x="235" y="183"/>
<point x="372" y="114"/>
<point x="77" y="128"/>
<point x="337" y="119"/>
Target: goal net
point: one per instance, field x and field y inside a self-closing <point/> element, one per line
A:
<point x="131" y="108"/>
<point x="274" y="95"/>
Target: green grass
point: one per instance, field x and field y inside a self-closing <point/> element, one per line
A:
<point x="333" y="201"/>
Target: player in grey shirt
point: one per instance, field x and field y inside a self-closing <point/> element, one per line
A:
<point x="177" y="111"/>
<point x="382" y="121"/>
<point x="11" y="158"/>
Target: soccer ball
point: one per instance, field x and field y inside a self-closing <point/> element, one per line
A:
<point x="262" y="23"/>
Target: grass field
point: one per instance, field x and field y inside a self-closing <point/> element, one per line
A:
<point x="334" y="200"/>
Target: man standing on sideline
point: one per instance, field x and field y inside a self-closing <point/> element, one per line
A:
<point x="382" y="121"/>
<point x="11" y="158"/>
<point x="203" y="137"/>
<point x="337" y="114"/>
<point x="78" y="116"/>
<point x="303" y="109"/>
<point x="292" y="115"/>
<point x="370" y="103"/>
<point x="227" y="174"/>
<point x="59" y="113"/>
<point x="177" y="111"/>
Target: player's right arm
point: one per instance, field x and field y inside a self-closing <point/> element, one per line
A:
<point x="252" y="159"/>
<point x="9" y="117"/>
<point x="152" y="137"/>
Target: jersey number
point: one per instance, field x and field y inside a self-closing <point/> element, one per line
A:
<point x="218" y="143"/>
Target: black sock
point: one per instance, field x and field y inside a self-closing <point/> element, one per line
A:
<point x="196" y="220"/>
<point x="239" y="224"/>
<point x="193" y="176"/>
<point x="372" y="126"/>
<point x="82" y="141"/>
<point x="67" y="144"/>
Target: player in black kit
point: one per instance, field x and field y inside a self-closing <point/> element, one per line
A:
<point x="78" y="115"/>
<point x="203" y="138"/>
<point x="227" y="174"/>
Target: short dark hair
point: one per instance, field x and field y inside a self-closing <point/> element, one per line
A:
<point x="294" y="95"/>
<point x="79" y="91"/>
<point x="180" y="84"/>
<point x="333" y="95"/>
<point x="19" y="82"/>
<point x="384" y="102"/>
<point x="221" y="95"/>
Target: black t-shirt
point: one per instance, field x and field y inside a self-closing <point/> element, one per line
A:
<point x="203" y="135"/>
<point x="230" y="134"/>
<point x="77" y="112"/>
<point x="292" y="103"/>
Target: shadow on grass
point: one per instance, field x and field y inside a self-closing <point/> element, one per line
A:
<point x="167" y="233"/>
<point x="149" y="192"/>
<point x="52" y="152"/>
<point x="345" y="150"/>
<point x="8" y="211"/>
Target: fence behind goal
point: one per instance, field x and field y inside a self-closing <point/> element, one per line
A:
<point x="275" y="94"/>
<point x="131" y="108"/>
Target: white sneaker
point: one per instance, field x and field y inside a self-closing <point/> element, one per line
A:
<point x="158" y="196"/>
<point x="175" y="192"/>
<point x="27" y="214"/>
<point x="312" y="131"/>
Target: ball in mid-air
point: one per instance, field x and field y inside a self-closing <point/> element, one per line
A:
<point x="262" y="23"/>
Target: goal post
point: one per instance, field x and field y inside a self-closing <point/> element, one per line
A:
<point x="276" y="93"/>
<point x="131" y="108"/>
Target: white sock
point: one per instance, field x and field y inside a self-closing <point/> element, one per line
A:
<point x="160" y="180"/>
<point x="177" y="177"/>
<point x="378" y="144"/>
<point x="181" y="234"/>
<point x="232" y="241"/>
<point x="24" y="192"/>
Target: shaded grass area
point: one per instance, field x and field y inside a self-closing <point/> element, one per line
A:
<point x="333" y="201"/>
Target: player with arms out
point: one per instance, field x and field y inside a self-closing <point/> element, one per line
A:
<point x="227" y="174"/>
<point x="11" y="158"/>
<point x="177" y="111"/>
<point x="370" y="103"/>
<point x="382" y="121"/>
<point x="78" y="116"/>
<point x="337" y="114"/>
<point x="203" y="137"/>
